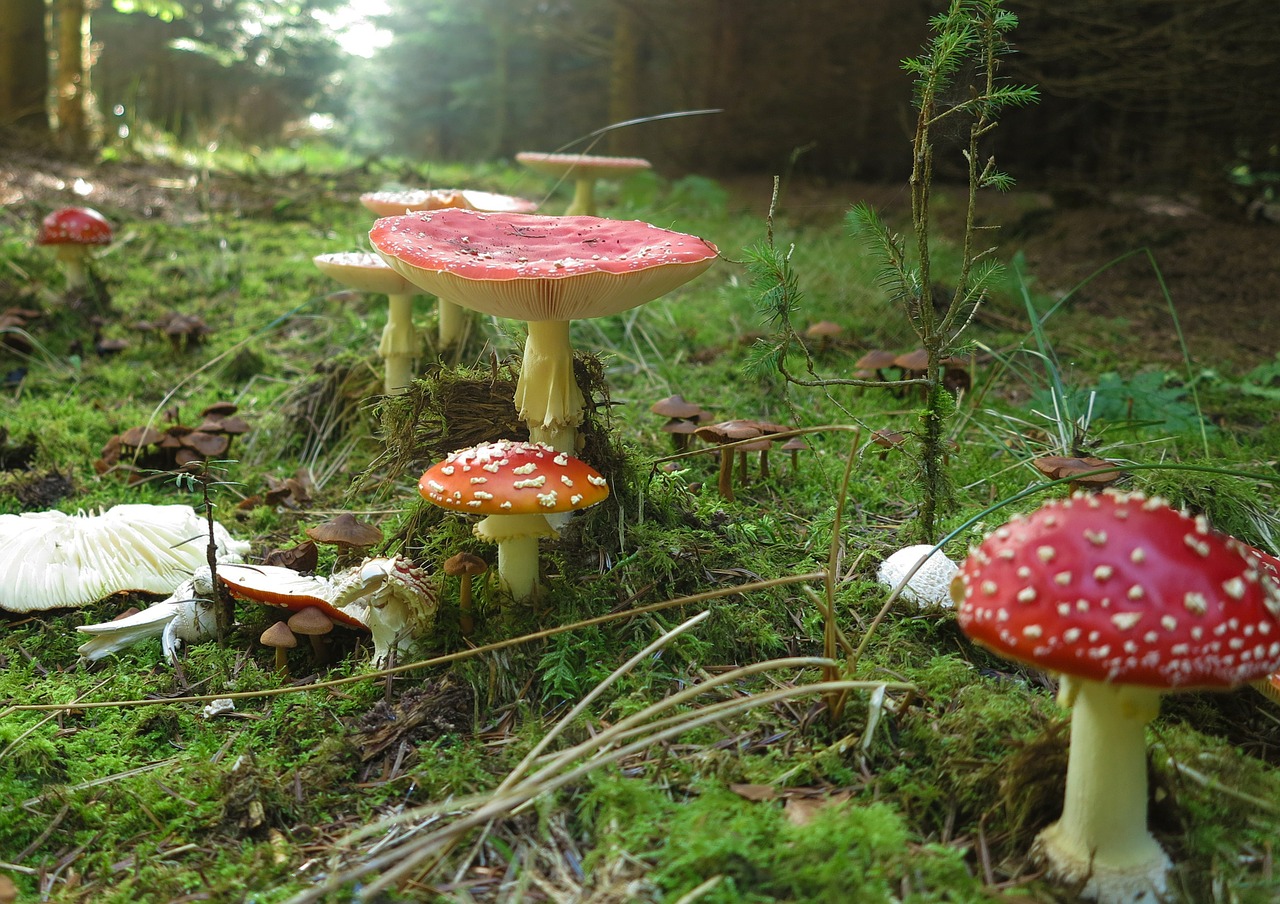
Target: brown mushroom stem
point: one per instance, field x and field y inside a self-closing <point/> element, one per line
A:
<point x="725" y="483"/>
<point x="1101" y="839"/>
<point x="547" y="395"/>
<point x="400" y="344"/>
<point x="466" y="621"/>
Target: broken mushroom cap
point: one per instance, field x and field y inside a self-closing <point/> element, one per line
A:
<point x="516" y="485"/>
<point x="1128" y="599"/>
<point x="394" y="203"/>
<point x="546" y="271"/>
<point x="345" y="531"/>
<point x="72" y="231"/>
<point x="283" y="587"/>
<point x="584" y="169"/>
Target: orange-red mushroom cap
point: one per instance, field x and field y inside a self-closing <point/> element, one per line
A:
<point x="1121" y="588"/>
<point x="513" y="478"/>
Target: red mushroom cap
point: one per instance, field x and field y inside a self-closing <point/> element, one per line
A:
<point x="534" y="267"/>
<point x="393" y="203"/>
<point x="584" y="165"/>
<point x="512" y="478"/>
<point x="74" y="226"/>
<point x="274" y="585"/>
<point x="1119" y="587"/>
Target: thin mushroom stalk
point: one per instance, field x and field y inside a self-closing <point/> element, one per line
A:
<point x="400" y="344"/>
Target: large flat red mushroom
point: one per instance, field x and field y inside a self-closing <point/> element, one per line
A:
<point x="546" y="271"/>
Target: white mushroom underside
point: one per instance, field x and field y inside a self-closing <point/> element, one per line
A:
<point x="51" y="560"/>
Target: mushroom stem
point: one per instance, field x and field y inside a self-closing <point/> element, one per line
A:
<point x="74" y="259"/>
<point x="517" y="540"/>
<point x="399" y="345"/>
<point x="1101" y="840"/>
<point x="584" y="197"/>
<point x="452" y="322"/>
<point x="725" y="483"/>
<point x="547" y="395"/>
<point x="466" y="620"/>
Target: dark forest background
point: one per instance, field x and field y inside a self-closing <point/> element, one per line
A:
<point x="1156" y="93"/>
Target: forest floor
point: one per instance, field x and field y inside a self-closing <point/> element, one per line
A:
<point x="137" y="793"/>
<point x="1219" y="267"/>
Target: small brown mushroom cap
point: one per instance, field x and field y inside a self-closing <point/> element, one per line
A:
<point x="465" y="563"/>
<point x="824" y="329"/>
<point x="279" y="636"/>
<point x="1056" y="467"/>
<point x="876" y="359"/>
<point x="913" y="360"/>
<point x="675" y="406"/>
<point x="345" y="531"/>
<point x="310" y="622"/>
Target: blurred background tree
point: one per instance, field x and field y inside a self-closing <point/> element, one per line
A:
<point x="1161" y="93"/>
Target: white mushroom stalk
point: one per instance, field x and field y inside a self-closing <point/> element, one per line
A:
<point x="1128" y="599"/>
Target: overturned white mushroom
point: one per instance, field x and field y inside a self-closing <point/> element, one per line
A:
<point x="929" y="587"/>
<point x="187" y="615"/>
<point x="52" y="560"/>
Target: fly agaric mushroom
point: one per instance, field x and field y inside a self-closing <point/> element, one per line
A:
<point x="451" y="318"/>
<point x="465" y="565"/>
<point x="1127" y="599"/>
<point x="929" y="587"/>
<point x="584" y="169"/>
<point x="394" y="203"/>
<point x="516" y="485"/>
<point x="400" y="343"/>
<point x="72" y="232"/>
<point x="546" y="271"/>
<point x="389" y="597"/>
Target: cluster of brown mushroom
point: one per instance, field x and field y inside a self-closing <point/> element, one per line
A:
<point x="144" y="448"/>
<point x="183" y="331"/>
<point x="686" y="419"/>
<point x="877" y="364"/>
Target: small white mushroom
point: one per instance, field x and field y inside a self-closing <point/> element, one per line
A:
<point x="929" y="587"/>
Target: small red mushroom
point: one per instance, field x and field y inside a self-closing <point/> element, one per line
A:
<point x="516" y="485"/>
<point x="1128" y="599"/>
<point x="73" y="231"/>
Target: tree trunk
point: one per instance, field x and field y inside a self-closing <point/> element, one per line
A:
<point x="624" y="74"/>
<point x="24" y="74"/>
<point x="73" y="75"/>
